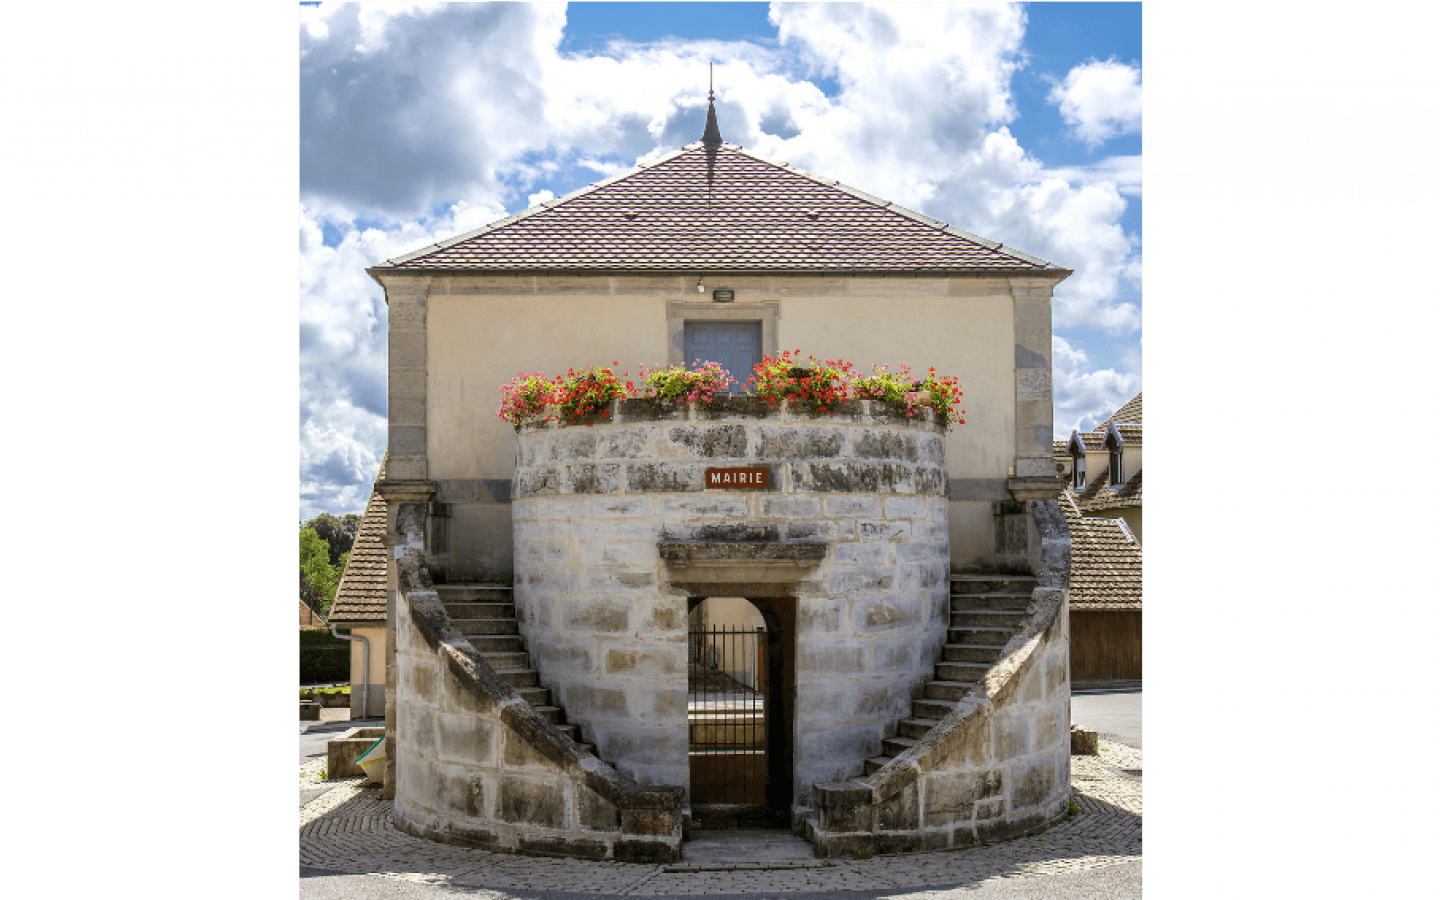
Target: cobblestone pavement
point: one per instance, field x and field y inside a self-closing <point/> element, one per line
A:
<point x="347" y="830"/>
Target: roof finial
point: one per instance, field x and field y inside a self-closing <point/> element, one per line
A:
<point x="711" y="139"/>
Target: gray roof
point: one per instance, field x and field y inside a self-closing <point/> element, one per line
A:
<point x="360" y="598"/>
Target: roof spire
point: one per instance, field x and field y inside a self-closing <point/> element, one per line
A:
<point x="711" y="139"/>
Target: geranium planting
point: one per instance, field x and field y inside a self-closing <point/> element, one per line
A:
<point x="817" y="386"/>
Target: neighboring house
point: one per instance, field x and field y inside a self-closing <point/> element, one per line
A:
<point x="359" y="608"/>
<point x="1101" y="494"/>
<point x="309" y="621"/>
<point x="1105" y="568"/>
<point x="892" y="564"/>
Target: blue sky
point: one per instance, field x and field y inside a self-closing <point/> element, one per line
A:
<point x="420" y="121"/>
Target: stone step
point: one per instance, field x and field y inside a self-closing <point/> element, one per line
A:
<point x="552" y="714"/>
<point x="969" y="618"/>
<point x="989" y="600"/>
<point x="961" y="671"/>
<point x="979" y="584"/>
<point x="498" y="643"/>
<point x="930" y="708"/>
<point x="535" y="696"/>
<point x="982" y="635"/>
<point x="498" y="661"/>
<point x="487" y="626"/>
<point x="519" y="678"/>
<point x="975" y="653"/>
<point x="481" y="592"/>
<point x="480" y="610"/>
<point x="876" y="763"/>
<point x="894" y="746"/>
<point x="916" y="728"/>
<point x="945" y="691"/>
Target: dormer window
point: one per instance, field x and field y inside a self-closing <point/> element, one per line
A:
<point x="1076" y="449"/>
<point x="1116" y="445"/>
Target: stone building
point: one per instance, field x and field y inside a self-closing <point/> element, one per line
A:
<point x="1101" y="471"/>
<point x="904" y="587"/>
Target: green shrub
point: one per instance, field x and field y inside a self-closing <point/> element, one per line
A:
<point x="323" y="657"/>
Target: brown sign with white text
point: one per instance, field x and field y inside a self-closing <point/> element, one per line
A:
<point x="746" y="478"/>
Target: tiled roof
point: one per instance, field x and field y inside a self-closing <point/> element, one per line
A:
<point x="309" y="621"/>
<point x="739" y="213"/>
<point x="1095" y="440"/>
<point x="360" y="599"/>
<point x="1106" y="570"/>
<point x="1097" y="494"/>
<point x="1130" y="412"/>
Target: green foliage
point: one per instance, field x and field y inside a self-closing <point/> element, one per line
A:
<point x="318" y="578"/>
<point x="338" y="532"/>
<point x="323" y="657"/>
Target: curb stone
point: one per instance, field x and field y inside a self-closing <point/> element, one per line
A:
<point x="348" y="830"/>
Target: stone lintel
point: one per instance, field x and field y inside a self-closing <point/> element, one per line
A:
<point x="734" y="562"/>
<point x="1035" y="488"/>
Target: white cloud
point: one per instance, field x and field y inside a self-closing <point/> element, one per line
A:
<point x="1100" y="100"/>
<point x="427" y="121"/>
<point x="1085" y="398"/>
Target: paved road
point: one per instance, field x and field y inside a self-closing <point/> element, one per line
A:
<point x="1116" y="716"/>
<point x="1117" y="882"/>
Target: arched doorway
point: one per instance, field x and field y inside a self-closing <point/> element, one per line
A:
<point x="741" y="715"/>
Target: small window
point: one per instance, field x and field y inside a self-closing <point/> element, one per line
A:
<point x="1116" y="445"/>
<point x="1076" y="449"/>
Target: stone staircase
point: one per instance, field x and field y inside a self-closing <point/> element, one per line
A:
<point x="985" y="610"/>
<point x="485" y="614"/>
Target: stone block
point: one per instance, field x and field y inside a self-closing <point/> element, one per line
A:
<point x="646" y="529"/>
<point x="788" y="507"/>
<point x="873" y="530"/>
<point x="882" y="698"/>
<point x="852" y="506"/>
<point x="832" y="658"/>
<point x="461" y="792"/>
<point x="860" y="580"/>
<point x="668" y="477"/>
<point x="591" y="478"/>
<point x="633" y="442"/>
<point x="597" y="614"/>
<point x="407" y="349"/>
<point x="526" y="802"/>
<point x="735" y="531"/>
<point x="853" y="477"/>
<point x="596" y="553"/>
<point x="656" y="822"/>
<point x="822" y="615"/>
<point x="621" y="507"/>
<point x="951" y="797"/>
<point x="800" y="531"/>
<point x="309" y="711"/>
<point x="878" y="444"/>
<point x="588" y="701"/>
<point x="911" y="841"/>
<point x="1032" y="783"/>
<point x="407" y="409"/>
<point x="570" y="446"/>
<point x="863" y="552"/>
<point x="647" y="852"/>
<point x="518" y="752"/>
<point x="557" y="845"/>
<point x="466" y="739"/>
<point x="539" y="482"/>
<point x="641" y="745"/>
<point x="844" y="807"/>
<point x="1083" y="741"/>
<point x="715" y="504"/>
<point x="461" y="698"/>
<point x="644" y="662"/>
<point x="618" y="581"/>
<point x="407" y="440"/>
<point x="564" y="657"/>
<point x="1010" y="730"/>
<point x="416" y="729"/>
<point x="711" y="441"/>
<point x="781" y="442"/>
<point x="884" y="613"/>
<point x="594" y="812"/>
<point x="420" y="681"/>
<point x="900" y="812"/>
<point x="901" y="653"/>
<point x="341" y="752"/>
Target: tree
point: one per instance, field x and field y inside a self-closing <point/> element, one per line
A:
<point x="338" y="532"/>
<point x="318" y="578"/>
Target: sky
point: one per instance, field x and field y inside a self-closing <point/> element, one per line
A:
<point x="1018" y="122"/>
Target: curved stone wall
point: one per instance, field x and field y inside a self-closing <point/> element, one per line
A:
<point x="996" y="767"/>
<point x="615" y="527"/>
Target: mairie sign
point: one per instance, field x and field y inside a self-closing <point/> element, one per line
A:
<point x="745" y="478"/>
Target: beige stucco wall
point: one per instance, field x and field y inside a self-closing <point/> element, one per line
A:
<point x="482" y="330"/>
<point x="376" y="699"/>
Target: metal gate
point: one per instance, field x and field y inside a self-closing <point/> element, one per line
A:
<point x="727" y="716"/>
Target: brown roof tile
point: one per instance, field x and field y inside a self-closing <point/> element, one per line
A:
<point x="360" y="599"/>
<point x="309" y="621"/>
<point x="1098" y="495"/>
<point x="1106" y="570"/>
<point x="753" y="215"/>
<point x="1130" y="412"/>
